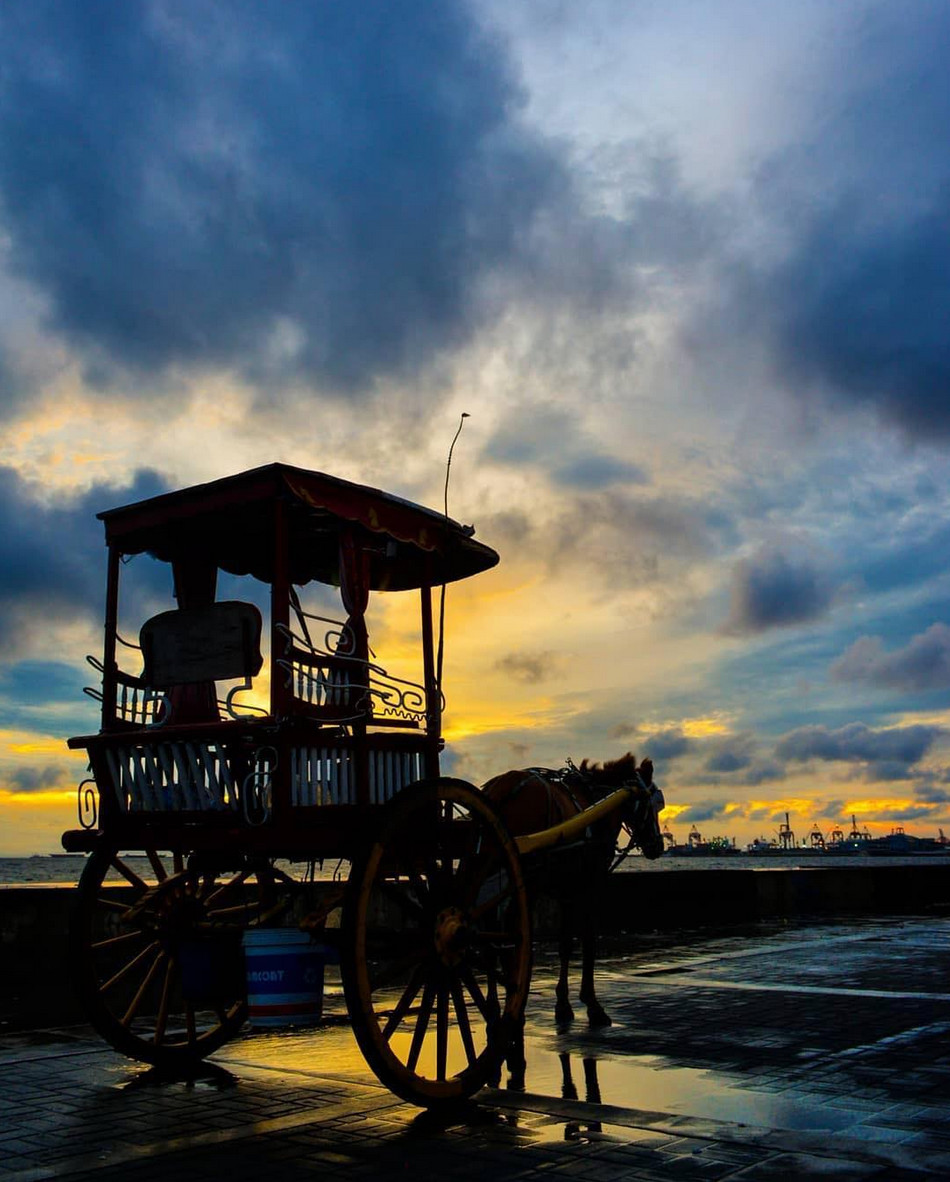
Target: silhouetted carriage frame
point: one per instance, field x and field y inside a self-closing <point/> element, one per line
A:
<point x="343" y="763"/>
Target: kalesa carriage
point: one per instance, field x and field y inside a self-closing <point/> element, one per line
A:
<point x="226" y="798"/>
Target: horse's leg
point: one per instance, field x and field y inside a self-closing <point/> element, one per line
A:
<point x="568" y="1090"/>
<point x="562" y="1008"/>
<point x="596" y="1014"/>
<point x="515" y="1060"/>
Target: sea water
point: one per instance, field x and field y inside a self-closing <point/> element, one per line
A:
<point x="65" y="869"/>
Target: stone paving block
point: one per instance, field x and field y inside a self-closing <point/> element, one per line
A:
<point x="790" y="1167"/>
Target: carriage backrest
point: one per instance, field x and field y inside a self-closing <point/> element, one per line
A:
<point x="186" y="646"/>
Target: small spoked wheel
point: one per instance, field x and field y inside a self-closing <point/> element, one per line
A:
<point x="437" y="944"/>
<point x="157" y="956"/>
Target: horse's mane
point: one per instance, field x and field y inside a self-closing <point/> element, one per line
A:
<point x="613" y="772"/>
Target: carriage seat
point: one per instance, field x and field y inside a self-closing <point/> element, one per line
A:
<point x="202" y="645"/>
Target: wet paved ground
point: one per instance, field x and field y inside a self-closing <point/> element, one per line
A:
<point x="806" y="1053"/>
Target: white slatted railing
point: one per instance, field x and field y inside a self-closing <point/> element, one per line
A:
<point x="322" y="775"/>
<point x="171" y="777"/>
<point x="391" y="771"/>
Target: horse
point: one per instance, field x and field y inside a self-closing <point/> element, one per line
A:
<point x="533" y="799"/>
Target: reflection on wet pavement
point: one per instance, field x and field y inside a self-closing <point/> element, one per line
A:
<point x="806" y="1052"/>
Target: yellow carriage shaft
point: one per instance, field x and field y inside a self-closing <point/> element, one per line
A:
<point x="533" y="843"/>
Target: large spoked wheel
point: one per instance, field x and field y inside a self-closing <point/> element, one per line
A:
<point x="437" y="944"/>
<point x="157" y="960"/>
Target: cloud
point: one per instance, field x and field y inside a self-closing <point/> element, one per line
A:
<point x="25" y="780"/>
<point x="529" y="668"/>
<point x="554" y="440"/>
<point x="931" y="794"/>
<point x="662" y="746"/>
<point x="49" y="572"/>
<point x="597" y="471"/>
<point x="730" y="754"/>
<point x="923" y="664"/>
<point x="777" y="588"/>
<point x="295" y="189"/>
<point x="857" y="743"/>
<point x="704" y="810"/>
<point x="850" y="294"/>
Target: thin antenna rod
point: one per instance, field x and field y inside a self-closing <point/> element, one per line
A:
<point x="448" y="472"/>
<point x="448" y="463"/>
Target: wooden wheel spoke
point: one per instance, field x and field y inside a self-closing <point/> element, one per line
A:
<point x="129" y="875"/>
<point x="113" y="941"/>
<point x="480" y="936"/>
<point x="422" y="1023"/>
<point x="493" y="1000"/>
<point x="143" y="988"/>
<point x="249" y="909"/>
<point x="112" y="904"/>
<point x="465" y="1026"/>
<point x="490" y="904"/>
<point x="158" y="866"/>
<point x="467" y="978"/>
<point x="474" y="872"/>
<point x="161" y="1019"/>
<point x="441" y="1032"/>
<point x="390" y="973"/>
<point x="128" y="967"/>
<point x="237" y="880"/>
<point x="397" y="893"/>
<point x="402" y="1006"/>
<point x="435" y="872"/>
<point x="178" y="861"/>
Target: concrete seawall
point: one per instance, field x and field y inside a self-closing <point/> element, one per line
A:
<point x="34" y="921"/>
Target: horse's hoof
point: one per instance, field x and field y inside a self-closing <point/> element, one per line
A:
<point x="598" y="1017"/>
<point x="563" y="1013"/>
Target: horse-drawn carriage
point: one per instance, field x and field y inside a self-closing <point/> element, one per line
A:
<point x="314" y="752"/>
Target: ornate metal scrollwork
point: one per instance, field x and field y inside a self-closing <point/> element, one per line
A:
<point x="87" y="803"/>
<point x="257" y="791"/>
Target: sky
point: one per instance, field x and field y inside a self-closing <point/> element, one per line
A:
<point x="687" y="268"/>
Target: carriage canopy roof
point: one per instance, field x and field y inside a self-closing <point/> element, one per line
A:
<point x="232" y="521"/>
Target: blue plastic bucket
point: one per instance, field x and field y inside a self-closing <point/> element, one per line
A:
<point x="284" y="970"/>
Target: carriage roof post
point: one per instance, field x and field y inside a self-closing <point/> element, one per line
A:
<point x="354" y="592"/>
<point x="281" y="694"/>
<point x="433" y="690"/>
<point x="109" y="667"/>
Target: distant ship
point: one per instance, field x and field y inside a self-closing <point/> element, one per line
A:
<point x="783" y="844"/>
<point x="699" y="847"/>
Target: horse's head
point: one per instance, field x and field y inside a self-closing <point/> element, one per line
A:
<point x="642" y="815"/>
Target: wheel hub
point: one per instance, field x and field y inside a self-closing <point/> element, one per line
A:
<point x="451" y="935"/>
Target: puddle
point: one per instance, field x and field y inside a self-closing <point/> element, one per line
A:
<point x="683" y="1091"/>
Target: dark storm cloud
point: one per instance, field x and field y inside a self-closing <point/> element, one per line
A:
<point x="596" y="471"/>
<point x="856" y="308"/>
<point x="666" y="745"/>
<point x="862" y="310"/>
<point x="52" y="559"/>
<point x="923" y="664"/>
<point x="292" y="189"/>
<point x="931" y="794"/>
<point x="616" y="538"/>
<point x="555" y="440"/>
<point x="40" y="683"/>
<point x="702" y="810"/>
<point x="529" y="668"/>
<point x="774" y="589"/>
<point x="730" y="754"/>
<point x="857" y="743"/>
<point x="761" y="771"/>
<point x="25" y="780"/>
